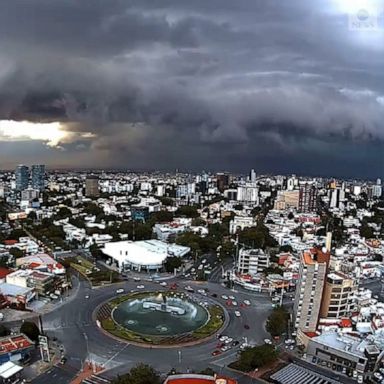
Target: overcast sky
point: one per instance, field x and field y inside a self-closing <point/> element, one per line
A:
<point x="276" y="85"/>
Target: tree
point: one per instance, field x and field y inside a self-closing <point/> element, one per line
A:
<point x="141" y="374"/>
<point x="32" y="215"/>
<point x="187" y="211"/>
<point x="63" y="213"/>
<point x="277" y="321"/>
<point x="16" y="252"/>
<point x="228" y="249"/>
<point x="256" y="357"/>
<point x="291" y="216"/>
<point x="4" y="331"/>
<point x="30" y="329"/>
<point x="366" y="231"/>
<point x="172" y="263"/>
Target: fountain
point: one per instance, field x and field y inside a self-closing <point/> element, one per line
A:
<point x="159" y="315"/>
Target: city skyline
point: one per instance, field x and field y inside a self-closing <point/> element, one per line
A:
<point x="140" y="85"/>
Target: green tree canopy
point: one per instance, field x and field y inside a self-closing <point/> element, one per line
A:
<point x="172" y="263"/>
<point x="277" y="321"/>
<point x="256" y="357"/>
<point x="30" y="329"/>
<point x="141" y="374"/>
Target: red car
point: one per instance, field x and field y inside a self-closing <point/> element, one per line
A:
<point x="215" y="353"/>
<point x="220" y="345"/>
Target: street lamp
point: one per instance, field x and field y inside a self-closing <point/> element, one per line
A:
<point x="179" y="355"/>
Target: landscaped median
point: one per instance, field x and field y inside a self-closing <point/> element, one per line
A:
<point x="88" y="270"/>
<point x="215" y="321"/>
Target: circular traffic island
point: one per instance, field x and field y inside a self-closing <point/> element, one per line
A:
<point x="160" y="318"/>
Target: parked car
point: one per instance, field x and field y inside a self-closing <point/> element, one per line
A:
<point x="163" y="284"/>
<point x="267" y="341"/>
<point x="247" y="302"/>
<point x="237" y="314"/>
<point x="140" y="287"/>
<point x="188" y="288"/>
<point x="217" y="352"/>
<point x="120" y="290"/>
<point x="224" y="297"/>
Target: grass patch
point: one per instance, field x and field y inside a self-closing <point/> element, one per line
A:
<point x="215" y="322"/>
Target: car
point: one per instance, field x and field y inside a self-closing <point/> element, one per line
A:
<point x="189" y="289"/>
<point x="378" y="376"/>
<point x="234" y="303"/>
<point x="289" y="341"/>
<point x="87" y="296"/>
<point x="246" y="326"/>
<point x="235" y="343"/>
<point x="136" y="279"/>
<point x="120" y="290"/>
<point x="224" y="297"/>
<point x="228" y="341"/>
<point x="216" y="352"/>
<point x="223" y="338"/>
<point x="247" y="302"/>
<point x="214" y="295"/>
<point x="354" y="374"/>
<point x="267" y="341"/>
<point x="237" y="314"/>
<point x="202" y="292"/>
<point x="53" y="296"/>
<point x="360" y="379"/>
<point x="140" y="287"/>
<point x="225" y="348"/>
<point x="232" y="297"/>
<point x="163" y="284"/>
<point x="219" y="345"/>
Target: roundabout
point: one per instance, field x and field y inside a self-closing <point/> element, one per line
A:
<point x="160" y="318"/>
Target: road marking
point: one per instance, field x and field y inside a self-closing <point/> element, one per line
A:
<point x="116" y="354"/>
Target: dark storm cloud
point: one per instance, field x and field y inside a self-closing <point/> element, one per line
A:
<point x="216" y="83"/>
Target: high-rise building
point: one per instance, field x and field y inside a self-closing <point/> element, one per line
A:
<point x="336" y="198"/>
<point x="92" y="186"/>
<point x="252" y="176"/>
<point x="222" y="181"/>
<point x="309" y="290"/>
<point x="38" y="177"/>
<point x="377" y="190"/>
<point x="248" y="193"/>
<point x="338" y="297"/>
<point x="22" y="177"/>
<point x="307" y="198"/>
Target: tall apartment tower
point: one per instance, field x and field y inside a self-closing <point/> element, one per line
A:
<point x="22" y="177"/>
<point x="252" y="176"/>
<point x="307" y="198"/>
<point x="38" y="176"/>
<point x="222" y="181"/>
<point x="338" y="297"/>
<point x="309" y="290"/>
<point x="92" y="186"/>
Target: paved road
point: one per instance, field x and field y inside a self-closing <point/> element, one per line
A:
<point x="72" y="324"/>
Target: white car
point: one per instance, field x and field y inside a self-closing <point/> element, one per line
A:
<point x="267" y="341"/>
<point x="223" y="338"/>
<point x="224" y="297"/>
<point x="237" y="314"/>
<point x="140" y="287"/>
<point x="120" y="290"/>
<point x="232" y="297"/>
<point x="87" y="296"/>
<point x="234" y="303"/>
<point x="247" y="302"/>
<point x="360" y="379"/>
<point x="228" y="341"/>
<point x="136" y="279"/>
<point x="163" y="284"/>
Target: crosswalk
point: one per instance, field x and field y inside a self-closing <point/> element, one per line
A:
<point x="294" y="374"/>
<point x="96" y="380"/>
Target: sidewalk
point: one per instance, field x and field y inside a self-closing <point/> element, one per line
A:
<point x="87" y="372"/>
